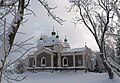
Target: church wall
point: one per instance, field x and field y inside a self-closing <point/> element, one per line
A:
<point x="78" y="60"/>
<point x="55" y="58"/>
<point x="52" y="52"/>
<point x="70" y="60"/>
<point x="40" y="56"/>
<point x="57" y="47"/>
<point x="31" y="62"/>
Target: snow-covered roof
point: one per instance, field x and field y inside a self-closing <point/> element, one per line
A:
<point x="49" y="49"/>
<point x="66" y="44"/>
<point x="46" y="49"/>
<point x="40" y="43"/>
<point x="75" y="49"/>
<point x="53" y="40"/>
<point x="31" y="53"/>
<point x="49" y="41"/>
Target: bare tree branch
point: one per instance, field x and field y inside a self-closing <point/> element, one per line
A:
<point x="56" y="18"/>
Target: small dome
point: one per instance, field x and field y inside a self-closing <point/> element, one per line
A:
<point x="57" y="41"/>
<point x="53" y="32"/>
<point x="41" y="38"/>
<point x="65" y="40"/>
<point x="40" y="42"/>
<point x="66" y="44"/>
<point x="57" y="36"/>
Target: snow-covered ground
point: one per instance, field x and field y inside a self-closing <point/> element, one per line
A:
<point x="68" y="77"/>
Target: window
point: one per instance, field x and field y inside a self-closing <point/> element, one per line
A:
<point x="34" y="62"/>
<point x="52" y="40"/>
<point x="79" y="62"/>
<point x="65" y="61"/>
<point x="43" y="61"/>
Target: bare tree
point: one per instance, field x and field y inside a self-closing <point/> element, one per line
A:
<point x="12" y="30"/>
<point x="99" y="18"/>
<point x="9" y="28"/>
<point x="20" y="66"/>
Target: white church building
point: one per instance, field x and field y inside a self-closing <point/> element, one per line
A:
<point x="54" y="54"/>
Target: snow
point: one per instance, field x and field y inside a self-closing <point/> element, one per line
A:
<point x="41" y="43"/>
<point x="75" y="49"/>
<point x="3" y="48"/>
<point x="115" y="10"/>
<point x="68" y="77"/>
<point x="49" y="41"/>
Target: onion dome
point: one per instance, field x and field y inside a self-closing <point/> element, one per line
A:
<point x="66" y="44"/>
<point x="40" y="41"/>
<point x="57" y="36"/>
<point x="65" y="40"/>
<point x="41" y="38"/>
<point x="54" y="39"/>
<point x="53" y="32"/>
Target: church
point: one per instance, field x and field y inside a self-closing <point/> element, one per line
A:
<point x="54" y="54"/>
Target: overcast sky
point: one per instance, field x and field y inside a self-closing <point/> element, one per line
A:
<point x="41" y="23"/>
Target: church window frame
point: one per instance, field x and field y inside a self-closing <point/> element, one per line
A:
<point x="33" y="62"/>
<point x="65" y="61"/>
<point x="43" y="61"/>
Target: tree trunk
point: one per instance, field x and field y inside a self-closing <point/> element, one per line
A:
<point x="108" y="68"/>
<point x="106" y="64"/>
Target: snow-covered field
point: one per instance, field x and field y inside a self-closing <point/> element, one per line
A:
<point x="68" y="77"/>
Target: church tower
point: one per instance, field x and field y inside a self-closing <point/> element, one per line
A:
<point x="40" y="43"/>
<point x="66" y="44"/>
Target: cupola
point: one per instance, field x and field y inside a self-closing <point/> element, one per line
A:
<point x="40" y="41"/>
<point x="57" y="36"/>
<point x="65" y="40"/>
<point x="66" y="44"/>
<point x="53" y="32"/>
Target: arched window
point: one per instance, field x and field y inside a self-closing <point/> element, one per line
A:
<point x="43" y="61"/>
<point x="65" y="61"/>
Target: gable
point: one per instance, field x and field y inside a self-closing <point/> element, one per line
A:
<point x="44" y="50"/>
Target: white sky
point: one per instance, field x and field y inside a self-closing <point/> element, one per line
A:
<point x="41" y="23"/>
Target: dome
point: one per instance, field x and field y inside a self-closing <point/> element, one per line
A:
<point x="65" y="40"/>
<point x="53" y="40"/>
<point x="40" y="42"/>
<point x="53" y="32"/>
<point x="57" y="36"/>
<point x="57" y="41"/>
<point x="66" y="45"/>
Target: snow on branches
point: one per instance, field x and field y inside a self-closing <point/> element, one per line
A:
<point x="12" y="30"/>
